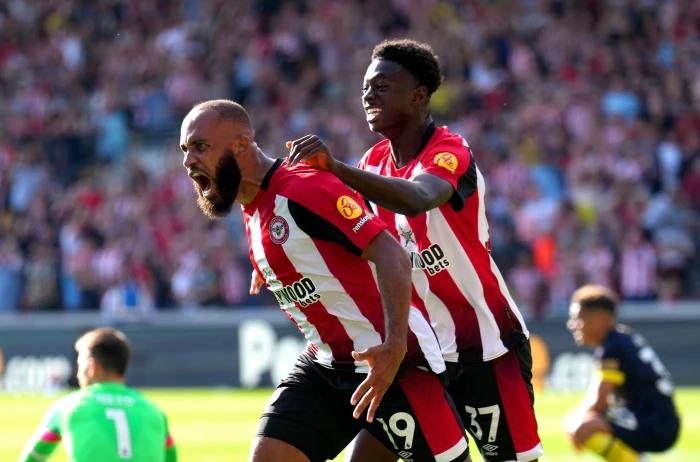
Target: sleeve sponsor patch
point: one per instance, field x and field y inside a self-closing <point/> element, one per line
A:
<point x="348" y="207"/>
<point x="446" y="160"/>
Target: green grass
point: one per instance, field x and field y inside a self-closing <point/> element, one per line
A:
<point x="218" y="425"/>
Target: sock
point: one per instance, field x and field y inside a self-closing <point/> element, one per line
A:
<point x="610" y="448"/>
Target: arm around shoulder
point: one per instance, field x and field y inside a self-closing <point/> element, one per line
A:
<point x="409" y="197"/>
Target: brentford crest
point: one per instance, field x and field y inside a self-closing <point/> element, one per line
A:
<point x="279" y="230"/>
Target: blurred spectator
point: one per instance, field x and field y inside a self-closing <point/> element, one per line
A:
<point x="194" y="283"/>
<point x="27" y="177"/>
<point x="528" y="286"/>
<point x="691" y="181"/>
<point x="638" y="267"/>
<point x="128" y="299"/>
<point x="41" y="289"/>
<point x="10" y="275"/>
<point x="583" y="116"/>
<point x="597" y="261"/>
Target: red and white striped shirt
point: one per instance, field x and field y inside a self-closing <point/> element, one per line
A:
<point x="455" y="280"/>
<point x="306" y="232"/>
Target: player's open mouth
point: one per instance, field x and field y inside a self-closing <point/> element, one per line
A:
<point x="203" y="181"/>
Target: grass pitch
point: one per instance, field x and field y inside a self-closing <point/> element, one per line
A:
<point x="217" y="425"/>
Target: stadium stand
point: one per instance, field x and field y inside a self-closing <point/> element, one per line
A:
<point x="584" y="118"/>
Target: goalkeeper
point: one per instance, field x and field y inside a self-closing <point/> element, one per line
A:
<point x="105" y="420"/>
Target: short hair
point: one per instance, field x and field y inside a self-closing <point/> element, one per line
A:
<point x="108" y="346"/>
<point x="416" y="57"/>
<point x="227" y="109"/>
<point x="595" y="297"/>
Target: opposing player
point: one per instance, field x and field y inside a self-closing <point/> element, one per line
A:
<point x="104" y="420"/>
<point x="312" y="241"/>
<point x="422" y="180"/>
<point x="643" y="417"/>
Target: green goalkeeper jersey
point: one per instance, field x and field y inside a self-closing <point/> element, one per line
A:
<point x="105" y="422"/>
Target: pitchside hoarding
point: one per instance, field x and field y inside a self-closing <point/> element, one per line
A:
<point x="255" y="348"/>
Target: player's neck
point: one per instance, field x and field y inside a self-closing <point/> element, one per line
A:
<point x="250" y="184"/>
<point x="605" y="332"/>
<point x="107" y="378"/>
<point x="409" y="140"/>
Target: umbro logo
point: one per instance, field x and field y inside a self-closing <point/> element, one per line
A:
<point x="405" y="455"/>
<point x="489" y="449"/>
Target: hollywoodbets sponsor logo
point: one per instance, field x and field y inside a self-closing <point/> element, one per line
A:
<point x="302" y="292"/>
<point x="431" y="259"/>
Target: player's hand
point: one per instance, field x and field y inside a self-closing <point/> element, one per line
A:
<point x="384" y="361"/>
<point x="256" y="282"/>
<point x="569" y="424"/>
<point x="312" y="150"/>
<point x="578" y="427"/>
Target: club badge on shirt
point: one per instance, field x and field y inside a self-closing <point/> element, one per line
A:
<point x="348" y="207"/>
<point x="279" y="230"/>
<point x="446" y="160"/>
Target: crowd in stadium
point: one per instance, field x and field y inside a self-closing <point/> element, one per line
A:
<point x="583" y="116"/>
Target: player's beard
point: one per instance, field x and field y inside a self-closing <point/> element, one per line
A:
<point x="227" y="178"/>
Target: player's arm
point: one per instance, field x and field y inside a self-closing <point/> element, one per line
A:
<point x="326" y="210"/>
<point x="170" y="449"/>
<point x="586" y="420"/>
<point x="394" y="281"/>
<point x="169" y="443"/>
<point x="45" y="439"/>
<point x="596" y="399"/>
<point x="407" y="197"/>
<point x="587" y="424"/>
<point x="607" y="377"/>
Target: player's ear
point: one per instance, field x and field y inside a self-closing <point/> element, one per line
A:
<point x="241" y="144"/>
<point x="92" y="368"/>
<point x="420" y="95"/>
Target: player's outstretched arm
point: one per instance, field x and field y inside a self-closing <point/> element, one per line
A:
<point x="394" y="280"/>
<point x="407" y="197"/>
<point x="44" y="441"/>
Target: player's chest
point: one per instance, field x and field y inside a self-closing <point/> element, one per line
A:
<point x="279" y="246"/>
<point x="387" y="167"/>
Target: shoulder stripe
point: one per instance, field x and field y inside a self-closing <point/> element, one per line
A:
<point x="466" y="185"/>
<point x="319" y="228"/>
